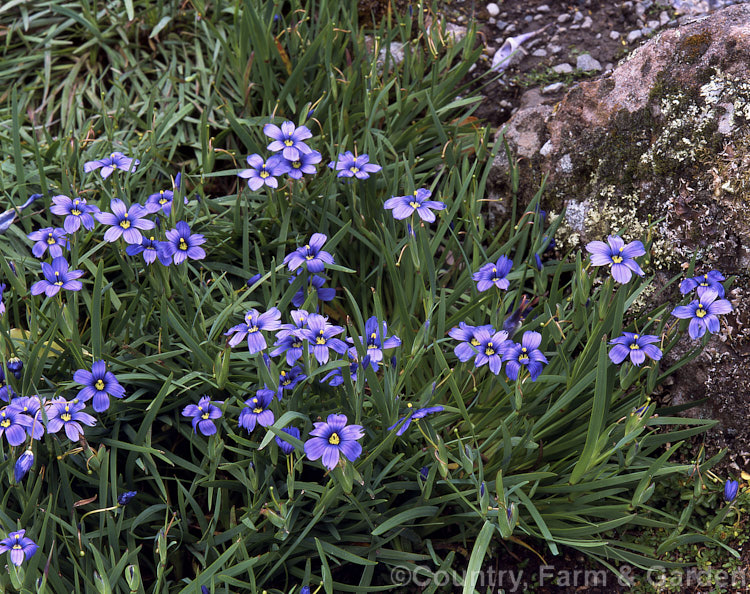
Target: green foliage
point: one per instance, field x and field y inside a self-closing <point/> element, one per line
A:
<point x="563" y="461"/>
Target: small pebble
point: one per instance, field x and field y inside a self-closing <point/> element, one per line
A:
<point x="654" y="24"/>
<point x="634" y="36"/>
<point x="493" y="9"/>
<point x="510" y="29"/>
<point x="554" y="49"/>
<point x="647" y="30"/>
<point x="540" y="53"/>
<point x="563" y="69"/>
<point x="663" y="17"/>
<point x="587" y="23"/>
<point x="614" y="35"/>
<point x="542" y="8"/>
<point x="564" y="18"/>
<point x="588" y="64"/>
<point x="553" y="88"/>
<point x="500" y="24"/>
<point x="538" y="17"/>
<point x="577" y="17"/>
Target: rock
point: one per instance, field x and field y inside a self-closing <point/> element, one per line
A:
<point x="501" y="24"/>
<point x="588" y="64"/>
<point x="539" y="53"/>
<point x="553" y="88"/>
<point x="614" y="35"/>
<point x="634" y="36"/>
<point x="542" y="8"/>
<point x="660" y="146"/>
<point x="653" y="25"/>
<point x="647" y="31"/>
<point x="587" y="23"/>
<point x="663" y="17"/>
<point x="554" y="49"/>
<point x="564" y="18"/>
<point x="510" y="29"/>
<point x="577" y="16"/>
<point x="493" y="9"/>
<point x="563" y="68"/>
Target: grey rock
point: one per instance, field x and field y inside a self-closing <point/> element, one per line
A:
<point x="647" y="31"/>
<point x="663" y="17"/>
<point x="653" y="24"/>
<point x="634" y="36"/>
<point x="564" y="18"/>
<point x="587" y="23"/>
<point x="500" y="24"/>
<point x="614" y="35"/>
<point x="586" y="63"/>
<point x="493" y="9"/>
<point x="510" y="29"/>
<point x="553" y="88"/>
<point x="540" y="53"/>
<point x="554" y="49"/>
<point x="577" y="16"/>
<point x="563" y="69"/>
<point x="528" y="18"/>
<point x="542" y="8"/>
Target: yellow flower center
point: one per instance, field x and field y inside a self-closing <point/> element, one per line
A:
<point x="354" y="169"/>
<point x="205" y="416"/>
<point x="5" y="423"/>
<point x="183" y="244"/>
<point x="264" y="174"/>
<point x="334" y="439"/>
<point x="320" y="340"/>
<point x="253" y="329"/>
<point x="474" y="341"/>
<point x="99" y="385"/>
<point x="75" y="212"/>
<point x="489" y="350"/>
<point x="414" y="204"/>
<point x="257" y="410"/>
<point x="289" y="142"/>
<point x="50" y="239"/>
<point x="296" y="164"/>
<point x="617" y="259"/>
<point x="125" y="223"/>
<point x="700" y="312"/>
<point x="66" y="417"/>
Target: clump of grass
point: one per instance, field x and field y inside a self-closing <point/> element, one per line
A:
<point x="564" y="460"/>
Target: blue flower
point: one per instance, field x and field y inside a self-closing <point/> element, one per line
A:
<point x="493" y="274"/>
<point x="264" y="172"/>
<point x="489" y="349"/>
<point x="285" y="446"/>
<point x="56" y="277"/>
<point x="291" y="344"/>
<point x="257" y="410"/>
<point x="68" y="415"/>
<point x="374" y="341"/>
<point x="331" y="439"/>
<point x="181" y="244"/>
<point x="15" y="366"/>
<point x="730" y="490"/>
<point x="124" y="222"/>
<point x="99" y="384"/>
<point x="203" y="415"/>
<point x="311" y="255"/>
<point x="160" y="201"/>
<point x="703" y="312"/>
<point x="3" y="286"/>
<point x="335" y="377"/>
<point x="254" y="323"/>
<point x="618" y="255"/>
<point x="49" y="238"/>
<point x="253" y="279"/>
<point x="405" y="206"/>
<point x="710" y="280"/>
<point x="288" y="139"/>
<point x="324" y="294"/>
<point x="467" y="348"/>
<point x="30" y="405"/>
<point x="151" y="249"/>
<point x="13" y="424"/>
<point x="288" y="380"/>
<point x="638" y="346"/>
<point x="526" y="354"/>
<point x="350" y="166"/>
<point x="23" y="465"/>
<point x="115" y="161"/>
<point x="19" y="546"/>
<point x="320" y="335"/>
<point x="126" y="497"/>
<point x="414" y="415"/>
<point x="76" y="212"/>
<point x="305" y="164"/>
